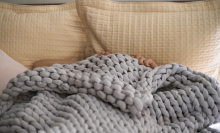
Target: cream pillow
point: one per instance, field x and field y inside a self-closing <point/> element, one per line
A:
<point x="186" y="33"/>
<point x="32" y="33"/>
<point x="9" y="68"/>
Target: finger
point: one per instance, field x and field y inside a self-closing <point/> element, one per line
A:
<point x="98" y="54"/>
<point x="149" y="61"/>
<point x="101" y="53"/>
<point x="141" y="61"/>
<point x="106" y="53"/>
<point x="137" y="56"/>
<point x="146" y="63"/>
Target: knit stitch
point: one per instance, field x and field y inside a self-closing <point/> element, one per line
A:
<point x="110" y="93"/>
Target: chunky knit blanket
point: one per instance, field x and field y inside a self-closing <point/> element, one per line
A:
<point x="110" y="94"/>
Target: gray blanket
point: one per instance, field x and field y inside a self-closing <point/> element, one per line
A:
<point x="110" y="94"/>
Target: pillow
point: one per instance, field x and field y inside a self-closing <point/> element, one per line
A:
<point x="42" y="63"/>
<point x="32" y="33"/>
<point x="185" y="33"/>
<point x="9" y="68"/>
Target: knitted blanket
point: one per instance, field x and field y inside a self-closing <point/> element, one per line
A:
<point x="111" y="94"/>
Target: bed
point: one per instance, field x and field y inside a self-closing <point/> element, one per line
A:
<point x="175" y="35"/>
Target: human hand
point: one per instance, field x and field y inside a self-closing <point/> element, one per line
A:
<point x="103" y="53"/>
<point x="144" y="61"/>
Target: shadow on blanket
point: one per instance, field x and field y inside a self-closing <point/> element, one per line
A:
<point x="110" y="94"/>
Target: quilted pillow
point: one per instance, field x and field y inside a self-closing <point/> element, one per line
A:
<point x="185" y="33"/>
<point x="32" y="33"/>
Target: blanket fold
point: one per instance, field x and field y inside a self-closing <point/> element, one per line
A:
<point x="110" y="94"/>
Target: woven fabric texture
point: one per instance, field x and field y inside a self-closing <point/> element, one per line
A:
<point x="32" y="33"/>
<point x="9" y="69"/>
<point x="186" y="33"/>
<point x="110" y="94"/>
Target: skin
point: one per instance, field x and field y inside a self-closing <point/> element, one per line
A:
<point x="141" y="60"/>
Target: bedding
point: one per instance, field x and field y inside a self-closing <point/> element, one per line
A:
<point x="9" y="68"/>
<point x="32" y="33"/>
<point x="42" y="63"/>
<point x="186" y="33"/>
<point x="110" y="93"/>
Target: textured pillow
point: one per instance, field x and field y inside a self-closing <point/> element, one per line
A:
<point x="9" y="68"/>
<point x="42" y="63"/>
<point x="185" y="33"/>
<point x="32" y="33"/>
